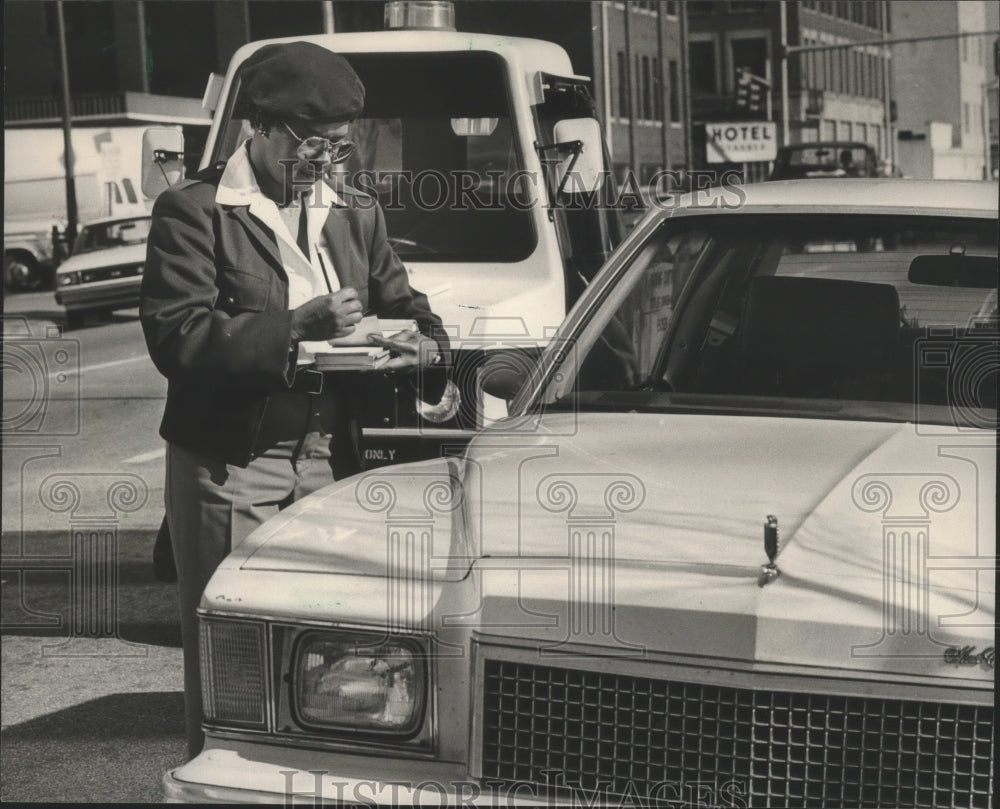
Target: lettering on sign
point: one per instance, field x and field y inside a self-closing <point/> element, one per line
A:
<point x="741" y="142"/>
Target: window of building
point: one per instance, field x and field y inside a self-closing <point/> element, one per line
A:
<point x="701" y="7"/>
<point x="829" y="130"/>
<point x="674" y="89"/>
<point x="671" y="8"/>
<point x="845" y="130"/>
<point x="90" y="45"/>
<point x="637" y="81"/>
<point x="173" y="70"/>
<point x="861" y="132"/>
<point x="624" y="102"/>
<point x="876" y="132"/>
<point x="649" y="88"/>
<point x="750" y="54"/>
<point x="857" y="12"/>
<point x="657" y="85"/>
<point x="704" y="77"/>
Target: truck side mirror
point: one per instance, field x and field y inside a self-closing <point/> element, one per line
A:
<point x="582" y="168"/>
<point x="162" y="159"/>
<point x="504" y="371"/>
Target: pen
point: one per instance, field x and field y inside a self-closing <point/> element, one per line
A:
<point x="322" y="266"/>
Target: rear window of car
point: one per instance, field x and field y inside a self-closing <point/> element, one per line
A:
<point x="890" y="311"/>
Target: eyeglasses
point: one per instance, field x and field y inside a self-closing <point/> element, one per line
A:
<point x="337" y="150"/>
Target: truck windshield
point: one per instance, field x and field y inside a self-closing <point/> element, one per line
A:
<point x="437" y="147"/>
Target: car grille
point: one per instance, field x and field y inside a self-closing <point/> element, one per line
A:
<point x="108" y="273"/>
<point x="599" y="734"/>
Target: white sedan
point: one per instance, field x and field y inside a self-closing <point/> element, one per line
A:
<point x="734" y="547"/>
<point x="104" y="271"/>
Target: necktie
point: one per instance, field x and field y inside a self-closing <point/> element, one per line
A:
<point x="302" y="238"/>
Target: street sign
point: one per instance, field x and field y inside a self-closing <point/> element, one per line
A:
<point x="741" y="142"/>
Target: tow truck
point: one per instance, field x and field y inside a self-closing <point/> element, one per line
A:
<point x="487" y="158"/>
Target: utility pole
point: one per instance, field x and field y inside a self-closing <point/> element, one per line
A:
<point x="686" y="90"/>
<point x="890" y="141"/>
<point x="785" y="94"/>
<point x="72" y="213"/>
<point x="632" y="104"/>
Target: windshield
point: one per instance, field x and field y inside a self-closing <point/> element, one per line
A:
<point x="443" y="163"/>
<point x="119" y="233"/>
<point x="885" y="316"/>
<point x="826" y="160"/>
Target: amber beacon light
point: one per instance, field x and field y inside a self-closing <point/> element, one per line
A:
<point x="420" y="15"/>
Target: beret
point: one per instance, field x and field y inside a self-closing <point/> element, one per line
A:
<point x="302" y="81"/>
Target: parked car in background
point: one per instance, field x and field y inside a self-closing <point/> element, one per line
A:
<point x="734" y="546"/>
<point x="104" y="271"/>
<point x="825" y="159"/>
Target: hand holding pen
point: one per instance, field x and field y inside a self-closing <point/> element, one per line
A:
<point x="327" y="316"/>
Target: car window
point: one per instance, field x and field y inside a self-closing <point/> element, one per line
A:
<point x="120" y="233"/>
<point x="797" y="308"/>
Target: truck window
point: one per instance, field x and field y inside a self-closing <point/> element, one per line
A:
<point x="439" y="150"/>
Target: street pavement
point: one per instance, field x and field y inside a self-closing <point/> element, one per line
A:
<point x="91" y="704"/>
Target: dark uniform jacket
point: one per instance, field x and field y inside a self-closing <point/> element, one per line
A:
<point x="214" y="310"/>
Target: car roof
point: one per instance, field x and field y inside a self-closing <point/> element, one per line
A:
<point x="826" y="144"/>
<point x="106" y="220"/>
<point x="837" y="195"/>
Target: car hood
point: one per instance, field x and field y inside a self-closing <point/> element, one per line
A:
<point x="125" y="254"/>
<point x="886" y="535"/>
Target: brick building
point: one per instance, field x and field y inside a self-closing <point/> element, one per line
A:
<point x="944" y="117"/>
<point x="837" y="94"/>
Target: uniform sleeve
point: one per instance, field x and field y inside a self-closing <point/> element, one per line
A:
<point x="393" y="297"/>
<point x="187" y="337"/>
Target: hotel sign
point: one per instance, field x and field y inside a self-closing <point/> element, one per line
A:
<point x="742" y="142"/>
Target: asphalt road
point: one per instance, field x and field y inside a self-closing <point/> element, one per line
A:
<point x="92" y="695"/>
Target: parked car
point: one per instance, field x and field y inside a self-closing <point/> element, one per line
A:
<point x="104" y="271"/>
<point x="734" y="546"/>
<point x="825" y="159"/>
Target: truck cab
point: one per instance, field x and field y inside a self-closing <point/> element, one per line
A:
<point x="487" y="159"/>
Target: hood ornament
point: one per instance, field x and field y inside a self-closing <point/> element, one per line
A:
<point x="770" y="572"/>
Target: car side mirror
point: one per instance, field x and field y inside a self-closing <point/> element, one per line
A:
<point x="581" y="169"/>
<point x="504" y="371"/>
<point x="162" y="159"/>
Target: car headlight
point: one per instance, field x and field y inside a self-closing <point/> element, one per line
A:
<point x="357" y="682"/>
<point x="68" y="279"/>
